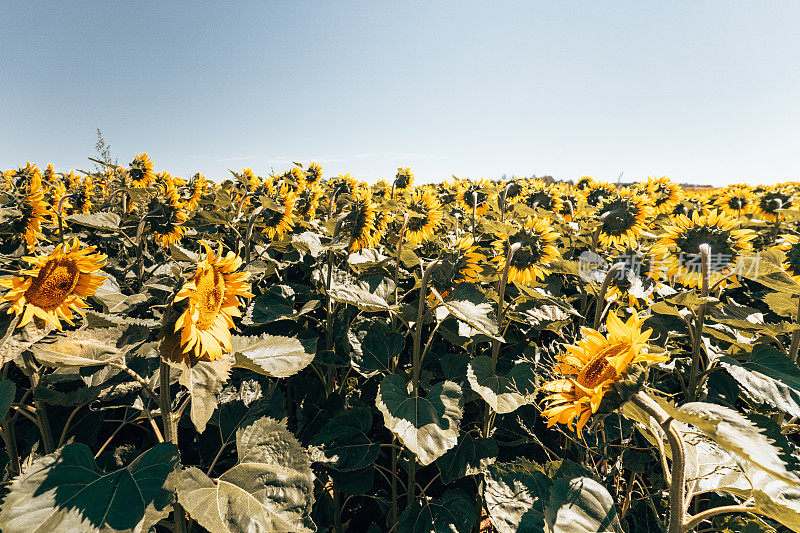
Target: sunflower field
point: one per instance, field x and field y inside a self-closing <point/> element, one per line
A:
<point x="298" y="352"/>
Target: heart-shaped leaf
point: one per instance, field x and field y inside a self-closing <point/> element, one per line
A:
<point x="503" y="393"/>
<point x="204" y="381"/>
<point x="343" y="443"/>
<point x="65" y="491"/>
<point x="428" y="426"/>
<point x="468" y="457"/>
<point x="453" y="513"/>
<point x="373" y="347"/>
<point x="274" y="356"/>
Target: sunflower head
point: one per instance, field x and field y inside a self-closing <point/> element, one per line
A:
<point x="359" y="223"/>
<point x="623" y="219"/>
<point x="166" y="218"/>
<point x="34" y="209"/>
<point x="314" y="173"/>
<point x="590" y="368"/>
<point x="664" y="194"/>
<point x="584" y="184"/>
<point x="197" y="188"/>
<point x="597" y="193"/>
<point x="56" y="285"/>
<point x="141" y="171"/>
<point x="543" y="197"/>
<point x="425" y="213"/>
<point x="513" y="191"/>
<point x="404" y="179"/>
<point x="26" y="177"/>
<point x="735" y="201"/>
<point x="536" y="250"/>
<point x="678" y="249"/>
<point x="459" y="262"/>
<point x="208" y="302"/>
<point x="278" y="215"/>
<point x="475" y="196"/>
<point x="790" y="246"/>
<point x="307" y="200"/>
<point x="773" y="202"/>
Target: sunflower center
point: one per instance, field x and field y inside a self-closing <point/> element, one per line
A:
<point x="210" y="292"/>
<point x="620" y="218"/>
<point x="717" y="238"/>
<point x="54" y="283"/>
<point x="599" y="369"/>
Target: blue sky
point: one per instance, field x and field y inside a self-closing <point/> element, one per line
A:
<point x="704" y="92"/>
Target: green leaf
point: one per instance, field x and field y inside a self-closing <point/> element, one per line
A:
<point x="81" y="347"/>
<point x="515" y="495"/>
<point x="735" y="432"/>
<point x="204" y="381"/>
<point x="469" y="305"/>
<point x="102" y="220"/>
<point x="273" y="356"/>
<point x="271" y="488"/>
<point x="765" y="268"/>
<point x="65" y="491"/>
<point x="343" y="443"/>
<point x="504" y="394"/>
<point x="470" y="456"/>
<point x="7" y="392"/>
<point x="373" y="347"/>
<point x="580" y="505"/>
<point x="769" y="377"/>
<point x="453" y="513"/>
<point x="345" y="289"/>
<point x="427" y="426"/>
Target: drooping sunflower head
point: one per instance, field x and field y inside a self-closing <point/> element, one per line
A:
<point x="678" y="249"/>
<point x="212" y="299"/>
<point x="772" y="202"/>
<point x="475" y="195"/>
<point x="307" y="200"/>
<point x="197" y="188"/>
<point x="544" y="197"/>
<point x="359" y="223"/>
<point x="56" y="285"/>
<point x="25" y="177"/>
<point x="599" y="192"/>
<point x="314" y="173"/>
<point x="572" y="202"/>
<point x="166" y="217"/>
<point x="294" y="178"/>
<point x="459" y="262"/>
<point x="589" y="369"/>
<point x="141" y="171"/>
<point x="623" y="219"/>
<point x="82" y="197"/>
<point x="425" y="213"/>
<point x="513" y="191"/>
<point x="404" y="179"/>
<point x="584" y="184"/>
<point x="536" y="251"/>
<point x="34" y="209"/>
<point x="664" y="194"/>
<point x="735" y="201"/>
<point x="343" y="185"/>
<point x="278" y="215"/>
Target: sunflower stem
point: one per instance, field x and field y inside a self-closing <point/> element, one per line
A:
<point x="140" y="250"/>
<point x="474" y="209"/>
<point x="795" y="346"/>
<point x="705" y="259"/>
<point x="677" y="485"/>
<point x="501" y="293"/>
<point x="170" y="433"/>
<point x="415" y="366"/>
<point x="59" y="209"/>
<point x="601" y="296"/>
<point x="397" y="270"/>
<point x="250" y="223"/>
<point x="503" y="197"/>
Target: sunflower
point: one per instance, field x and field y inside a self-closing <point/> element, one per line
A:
<point x="381" y="224"/>
<point x="598" y="192"/>
<point x="735" y="201"/>
<point x="584" y="183"/>
<point x="790" y="246"/>
<point x="771" y="203"/>
<point x="679" y="247"/>
<point x="403" y="180"/>
<point x="567" y="196"/>
<point x="57" y="191"/>
<point x="278" y="215"/>
<point x="536" y="238"/>
<point x="513" y="191"/>
<point x="212" y="300"/>
<point x="459" y="262"/>
<point x="425" y="214"/>
<point x="664" y="194"/>
<point x="623" y="219"/>
<point x="307" y="200"/>
<point x="313" y="173"/>
<point x="167" y="217"/>
<point x="141" y="171"/>
<point x="35" y="210"/>
<point x="590" y="368"/>
<point x="56" y="285"/>
<point x="23" y="176"/>
<point x="196" y="189"/>
<point x="359" y="223"/>
<point x="634" y="281"/>
<point x="480" y="200"/>
<point x="544" y="197"/>
<point x="82" y="197"/>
